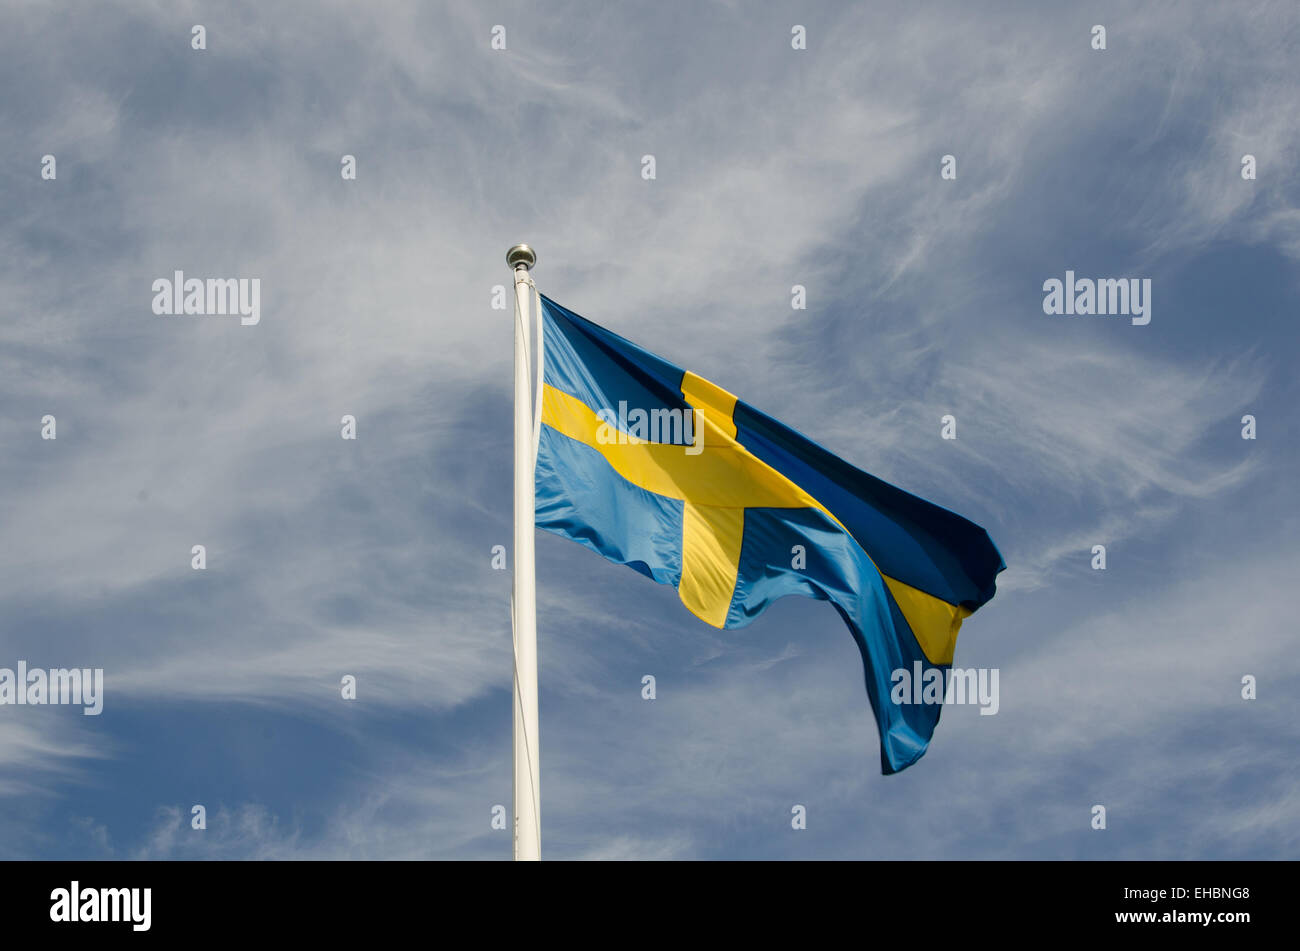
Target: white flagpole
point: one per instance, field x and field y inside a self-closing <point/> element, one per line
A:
<point x="528" y="821"/>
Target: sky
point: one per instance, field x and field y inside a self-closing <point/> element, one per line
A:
<point x="774" y="167"/>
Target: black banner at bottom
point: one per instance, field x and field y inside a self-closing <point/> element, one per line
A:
<point x="645" y="901"/>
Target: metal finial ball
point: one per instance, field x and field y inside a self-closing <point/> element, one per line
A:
<point x="521" y="254"/>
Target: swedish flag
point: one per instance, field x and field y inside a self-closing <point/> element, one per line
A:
<point x="658" y="469"/>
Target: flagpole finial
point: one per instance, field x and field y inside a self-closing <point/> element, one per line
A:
<point x="521" y="254"/>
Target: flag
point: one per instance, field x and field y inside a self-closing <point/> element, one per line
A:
<point x="658" y="469"/>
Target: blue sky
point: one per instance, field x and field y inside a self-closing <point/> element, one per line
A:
<point x="775" y="167"/>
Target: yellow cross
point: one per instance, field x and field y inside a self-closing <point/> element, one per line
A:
<point x="715" y="487"/>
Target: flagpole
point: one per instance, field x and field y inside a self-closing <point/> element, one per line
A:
<point x="528" y="824"/>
